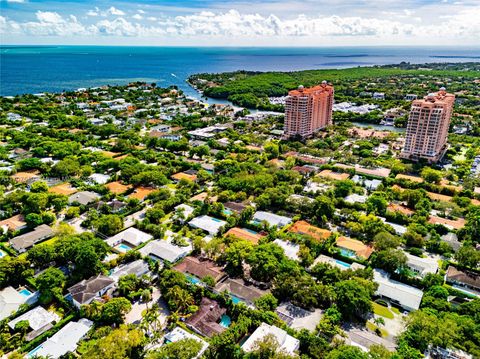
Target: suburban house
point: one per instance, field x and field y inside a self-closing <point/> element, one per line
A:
<point x="13" y="224"/>
<point x="405" y="296"/>
<point x="11" y="300"/>
<point x="39" y="321"/>
<point x="83" y="198"/>
<point x="177" y="177"/>
<point x="207" y="224"/>
<point x="165" y="251"/>
<point x="87" y="290"/>
<point x="138" y="268"/>
<point x="25" y="241"/>
<point x="132" y="236"/>
<point x="183" y="211"/>
<point x="353" y="248"/>
<point x="240" y="290"/>
<point x="421" y="266"/>
<point x="245" y="234"/>
<point x="200" y="268"/>
<point x="463" y="280"/>
<point x="207" y="320"/>
<point x="298" y="318"/>
<point x="273" y="220"/>
<point x="289" y="248"/>
<point x="234" y="206"/>
<point x="64" y="341"/>
<point x="286" y="342"/>
<point x="306" y="229"/>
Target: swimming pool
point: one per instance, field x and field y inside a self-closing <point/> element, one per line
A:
<point x="123" y="247"/>
<point x="32" y="353"/>
<point x="250" y="231"/>
<point x="227" y="212"/>
<point x="25" y="292"/>
<point x="192" y="279"/>
<point x="216" y="220"/>
<point x="343" y="264"/>
<point x="2" y="253"/>
<point x="235" y="299"/>
<point x="347" y="253"/>
<point x="225" y="321"/>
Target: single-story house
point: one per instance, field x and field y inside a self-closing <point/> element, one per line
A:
<point x="117" y="187"/>
<point x="353" y="248"/>
<point x="63" y="188"/>
<point x="138" y="267"/>
<point x="207" y="224"/>
<point x="177" y="177"/>
<point x="245" y="234"/>
<point x="15" y="223"/>
<point x="306" y="229"/>
<point x="240" y="290"/>
<point x="336" y="176"/>
<point x="356" y="198"/>
<point x="11" y="300"/>
<point x="452" y="240"/>
<point x="236" y="207"/>
<point x="141" y="192"/>
<point x="290" y="249"/>
<point x="132" y="236"/>
<point x="298" y="318"/>
<point x="83" y="198"/>
<point x="25" y="241"/>
<point x="273" y="220"/>
<point x="421" y="266"/>
<point x="200" y="268"/>
<point x="463" y="280"/>
<point x="178" y="334"/>
<point x="185" y="209"/>
<point x="64" y="341"/>
<point x="99" y="178"/>
<point x="451" y="224"/>
<point x="370" y="184"/>
<point x="39" y="320"/>
<point x="165" y="251"/>
<point x="407" y="297"/>
<point x="87" y="290"/>
<point x="206" y="321"/>
<point x="286" y="343"/>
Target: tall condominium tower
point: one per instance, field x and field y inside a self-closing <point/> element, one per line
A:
<point x="427" y="127"/>
<point x="308" y="109"/>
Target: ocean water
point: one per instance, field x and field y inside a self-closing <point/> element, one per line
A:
<point x="33" y="69"/>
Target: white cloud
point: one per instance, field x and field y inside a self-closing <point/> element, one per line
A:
<point x="233" y="24"/>
<point x="114" y="11"/>
<point x="141" y="11"/>
<point x="17" y="1"/>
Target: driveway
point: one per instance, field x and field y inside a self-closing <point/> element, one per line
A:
<point x="135" y="314"/>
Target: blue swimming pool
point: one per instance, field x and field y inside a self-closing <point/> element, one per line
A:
<point x="343" y="264"/>
<point x="216" y="220"/>
<point x="250" y="231"/>
<point x="25" y="292"/>
<point x="227" y="212"/>
<point x="225" y="321"/>
<point x="123" y="247"/>
<point x="235" y="299"/>
<point x="2" y="253"/>
<point x="192" y="279"/>
<point x="32" y="353"/>
<point x="347" y="253"/>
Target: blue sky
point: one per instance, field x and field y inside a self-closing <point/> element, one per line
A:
<point x="241" y="22"/>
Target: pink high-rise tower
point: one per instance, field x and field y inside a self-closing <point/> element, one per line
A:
<point x="308" y="109"/>
<point x="427" y="127"/>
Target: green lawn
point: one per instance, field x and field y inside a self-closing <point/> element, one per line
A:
<point x="382" y="311"/>
<point x="373" y="328"/>
<point x="395" y="310"/>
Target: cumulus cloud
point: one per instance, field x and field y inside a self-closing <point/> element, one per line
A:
<point x="234" y="24"/>
<point x="114" y="11"/>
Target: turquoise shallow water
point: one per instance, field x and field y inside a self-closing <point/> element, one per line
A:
<point x="33" y="69"/>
